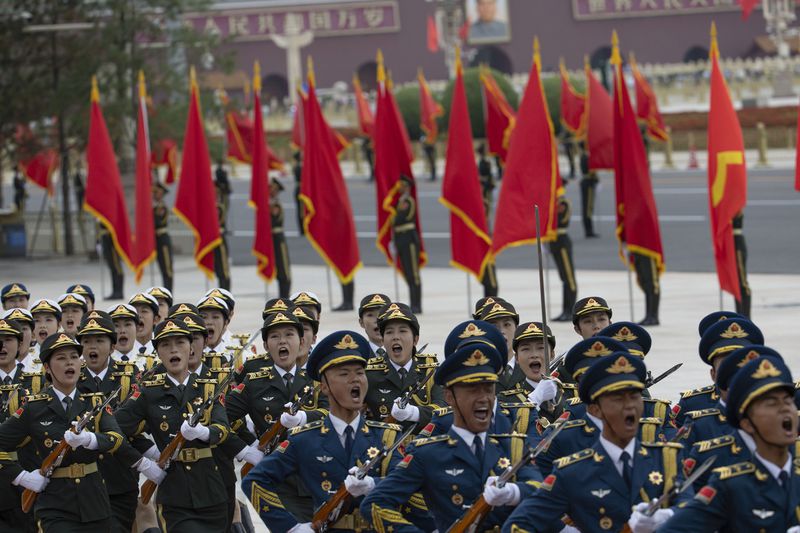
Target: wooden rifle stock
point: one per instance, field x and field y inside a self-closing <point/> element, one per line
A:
<point x="29" y="496"/>
<point x="174" y="446"/>
<point x="265" y="439"/>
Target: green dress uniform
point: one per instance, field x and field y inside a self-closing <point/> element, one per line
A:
<point x="283" y="272"/>
<point x="112" y="259"/>
<point x="647" y="277"/>
<point x="221" y="263"/>
<point x="163" y="243"/>
<point x="407" y="243"/>
<point x="739" y="244"/>
<point x="589" y="181"/>
<point x="561" y="248"/>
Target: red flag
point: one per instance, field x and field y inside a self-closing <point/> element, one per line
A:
<point x="747" y="7"/>
<point x="470" y="244"/>
<point x="498" y="115"/>
<point x="727" y="174"/>
<point x="392" y="158"/>
<point x="144" y="243"/>
<point x="433" y="36"/>
<point x="366" y="122"/>
<point x="637" y="215"/>
<point x="429" y="110"/>
<point x="531" y="176"/>
<point x="195" y="201"/>
<point x="598" y="124"/>
<point x="328" y="221"/>
<point x="259" y="188"/>
<point x="104" y="196"/>
<point x="298" y="127"/>
<point x="647" y="105"/>
<point x="165" y="152"/>
<point x="240" y="136"/>
<point x="39" y="168"/>
<point x="573" y="105"/>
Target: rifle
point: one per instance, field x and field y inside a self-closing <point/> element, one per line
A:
<point x="329" y="512"/>
<point x="265" y="442"/>
<point x="650" y="381"/>
<point x="470" y="521"/>
<point x="405" y="399"/>
<point x="682" y="431"/>
<point x="172" y="449"/>
<point x="555" y="363"/>
<point x="55" y="457"/>
<point x="10" y="395"/>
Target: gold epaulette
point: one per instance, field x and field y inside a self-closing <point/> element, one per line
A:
<point x="574" y="423"/>
<point x="429" y="440"/>
<point x="383" y="425"/>
<point x="738" y="469"/>
<point x="90" y="394"/>
<point x="442" y="411"/>
<point x="574" y="458"/>
<point x="574" y="401"/>
<point x="158" y="379"/>
<point x="38" y="397"/>
<point x="511" y="392"/>
<point x="264" y="355"/>
<point x="265" y="372"/>
<point x="121" y="374"/>
<point x="430" y="364"/>
<point x="377" y="366"/>
<point x="711" y="411"/>
<point x="508" y="436"/>
<point x="305" y="427"/>
<point x="651" y="420"/>
<point x="713" y="444"/>
<point x="204" y="381"/>
<point x="663" y="445"/>
<point x="31" y="374"/>
<point x="375" y="360"/>
<point x="517" y="405"/>
<point x="697" y="392"/>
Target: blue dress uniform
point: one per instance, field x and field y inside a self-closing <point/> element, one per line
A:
<point x="448" y="473"/>
<point x="586" y="485"/>
<point x="747" y="496"/>
<point x="314" y="452"/>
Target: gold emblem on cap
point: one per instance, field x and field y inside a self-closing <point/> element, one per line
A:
<point x="532" y="328"/>
<point x="597" y="349"/>
<point x="170" y="326"/>
<point x="497" y="307"/>
<point x="397" y="313"/>
<point x="216" y="293"/>
<point x="189" y="322"/>
<point x="655" y="477"/>
<point x="16" y="314"/>
<point x="92" y="324"/>
<point x="280" y="317"/>
<point x="476" y="358"/>
<point x="304" y="298"/>
<point x="347" y="343"/>
<point x="752" y="354"/>
<point x="78" y="288"/>
<point x="183" y="308"/>
<point x="279" y="304"/>
<point x="471" y="331"/>
<point x="393" y="307"/>
<point x="210" y="302"/>
<point x="734" y="331"/>
<point x="625" y="334"/>
<point x="4" y="324"/>
<point x="299" y="313"/>
<point x="15" y="287"/>
<point x="94" y="314"/>
<point x="766" y="370"/>
<point x="377" y="299"/>
<point x="621" y="366"/>
<point x="592" y="303"/>
<point x="70" y="299"/>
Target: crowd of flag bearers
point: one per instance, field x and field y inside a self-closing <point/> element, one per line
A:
<point x="146" y="417"/>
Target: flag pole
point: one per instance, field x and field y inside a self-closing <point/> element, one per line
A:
<point x="469" y="296"/>
<point x="330" y="288"/>
<point x="547" y="350"/>
<point x="396" y="285"/>
<point x="720" y="299"/>
<point x="99" y="247"/>
<point x="547" y="282"/>
<point x="630" y="291"/>
<point x="38" y="223"/>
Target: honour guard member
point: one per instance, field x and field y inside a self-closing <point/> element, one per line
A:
<point x="216" y="314"/>
<point x="453" y="470"/>
<point x="126" y="320"/>
<point x="221" y="266"/>
<point x="192" y="495"/>
<point x="297" y="171"/>
<point x="73" y="307"/>
<point x="73" y="497"/>
<point x="11" y="369"/>
<point x="483" y="303"/>
<point x="589" y="181"/>
<point x="647" y="277"/>
<point x="406" y="241"/>
<point x="310" y="330"/>
<point x="112" y="259"/>
<point x="743" y="303"/>
<point x="14" y="295"/>
<point x="486" y="179"/>
<point x="561" y="248"/>
<point x="164" y="298"/>
<point x="46" y="318"/>
<point x="368" y="311"/>
<point x="282" y="270"/>
<point x="85" y="291"/>
<point x="163" y="240"/>
<point x="596" y="487"/>
<point x="590" y="315"/>
<point x="28" y="354"/>
<point x="400" y="369"/>
<point x="148" y="308"/>
<point x="259" y="361"/>
<point x="324" y="454"/>
<point x="762" y="493"/>
<point x="226" y="296"/>
<point x="502" y="315"/>
<point x="310" y="303"/>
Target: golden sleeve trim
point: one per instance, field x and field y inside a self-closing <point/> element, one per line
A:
<point x="381" y="517"/>
<point x="116" y="440"/>
<point x="264" y="500"/>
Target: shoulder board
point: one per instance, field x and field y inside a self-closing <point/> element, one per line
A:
<point x="697" y="392"/>
<point x="675" y="445"/>
<point x="656" y="400"/>
<point x="425" y="356"/>
<point x="377" y="366"/>
<point x="265" y="372"/>
<point x="375" y="360"/>
<point x="299" y="429"/>
<point x="429" y="440"/>
<point x="574" y="458"/>
<point x="37" y="397"/>
<point x="511" y="392"/>
<point x="711" y="411"/>
<point x="442" y="411"/>
<point x="651" y="420"/>
<point x="712" y="444"/>
<point x="31" y="374"/>
<point x="574" y="423"/>
<point x="738" y="469"/>
<point x="384" y="425"/>
<point x="158" y="379"/>
<point x="120" y="374"/>
<point x="574" y="401"/>
<point x="90" y="394"/>
<point x="517" y="405"/>
<point x="257" y="357"/>
<point x="204" y="381"/>
<point x="431" y="363"/>
<point x="508" y="436"/>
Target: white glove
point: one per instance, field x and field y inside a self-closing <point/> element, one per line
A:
<point x="358" y="487"/>
<point x="153" y="453"/>
<point x="569" y="529"/>
<point x="793" y="529"/>
<point x="151" y="470"/>
<point x="32" y="481"/>
<point x="297" y="419"/>
<point x="410" y="412"/>
<point x="641" y="523"/>
<point x="305" y="527"/>
<point x="85" y="439"/>
<point x="497" y="497"/>
<point x="198" y="432"/>
<point x="545" y="391"/>
<point x="250" y="454"/>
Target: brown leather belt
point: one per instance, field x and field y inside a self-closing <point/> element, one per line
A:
<point x="192" y="455"/>
<point x="352" y="521"/>
<point x="74" y="471"/>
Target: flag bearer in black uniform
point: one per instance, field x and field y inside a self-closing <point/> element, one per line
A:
<point x="561" y="248"/>
<point x="221" y="264"/>
<point x="647" y="277"/>
<point x="589" y="181"/>
<point x="112" y="259"/>
<point x="282" y="270"/>
<point x="743" y="304"/>
<point x="192" y="495"/>
<point x="406" y="241"/>
<point x="163" y="240"/>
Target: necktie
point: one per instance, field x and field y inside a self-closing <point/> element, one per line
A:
<point x="403" y="373"/>
<point x="288" y="378"/>
<point x="380" y="351"/>
<point x="142" y="349"/>
<point x="181" y="388"/>
<point x="124" y="358"/>
<point x="7" y="380"/>
<point x="625" y="457"/>
<point x="98" y="381"/>
<point x="786" y="484"/>
<point x="348" y="440"/>
<point x="67" y="402"/>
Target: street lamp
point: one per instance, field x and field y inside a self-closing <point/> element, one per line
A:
<point x="450" y="19"/>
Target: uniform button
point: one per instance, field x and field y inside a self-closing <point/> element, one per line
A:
<point x="188" y="467"/>
<point x="100" y="457"/>
<point x="77" y="481"/>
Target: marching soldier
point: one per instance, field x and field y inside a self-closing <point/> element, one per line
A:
<point x="739" y="244"/>
<point x="279" y="239"/>
<point x="406" y="241"/>
<point x="216" y="314"/>
<point x="502" y="315"/>
<point x="486" y="178"/>
<point x="192" y="494"/>
<point x="15" y="295"/>
<point x="400" y="369"/>
<point x="221" y="266"/>
<point x="647" y="277"/>
<point x="368" y="312"/>
<point x="164" y="298"/>
<point x="589" y="181"/>
<point x="46" y="317"/>
<point x="163" y="240"/>
<point x="597" y="486"/>
<point x="126" y="353"/>
<point x="762" y="493"/>
<point x="590" y="315"/>
<point x="73" y="307"/>
<point x="297" y="170"/>
<point x="452" y="470"/>
<point x="227" y="297"/>
<point x="561" y="248"/>
<point x="85" y="291"/>
<point x="324" y="453"/>
<point x="28" y="354"/>
<point x="148" y="309"/>
<point x="112" y="259"/>
<point x="310" y="303"/>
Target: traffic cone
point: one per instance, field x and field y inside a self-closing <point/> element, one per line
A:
<point x="692" y="155"/>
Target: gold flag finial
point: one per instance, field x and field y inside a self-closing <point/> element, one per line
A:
<point x="714" y="50"/>
<point x="312" y="79"/>
<point x="142" y="89"/>
<point x="356" y="81"/>
<point x="192" y="78"/>
<point x="381" y="67"/>
<point x="95" y="95"/>
<point x="586" y="64"/>
<point x="458" y="59"/>
<point x="537" y="53"/>
<point x="256" y="77"/>
<point x="616" y="59"/>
